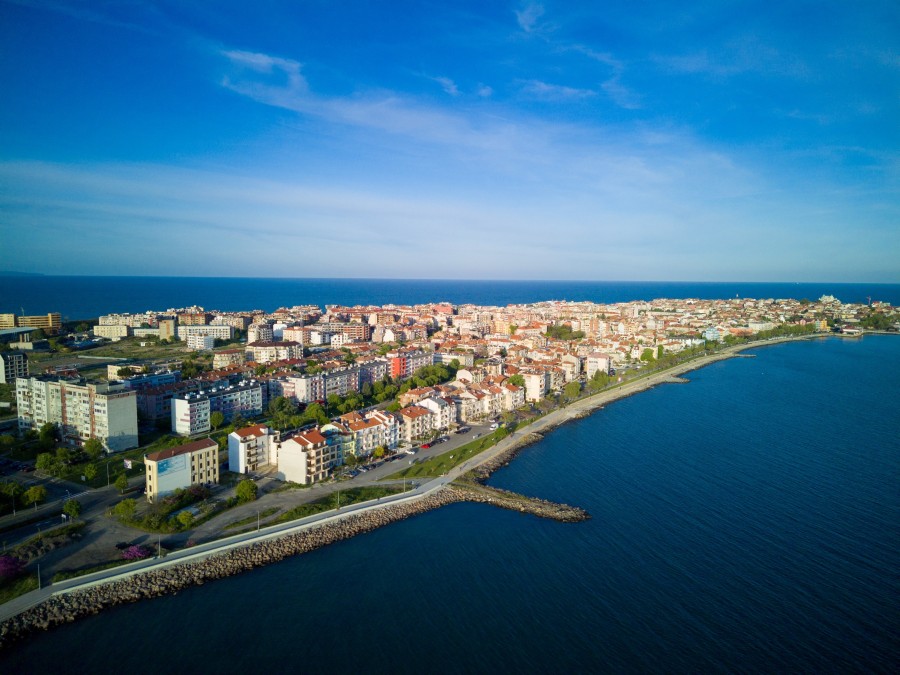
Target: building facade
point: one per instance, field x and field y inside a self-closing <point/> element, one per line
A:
<point x="176" y="468"/>
<point x="106" y="411"/>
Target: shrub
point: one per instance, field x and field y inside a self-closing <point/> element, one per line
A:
<point x="136" y="552"/>
<point x="10" y="567"/>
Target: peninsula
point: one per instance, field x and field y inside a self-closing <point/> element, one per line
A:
<point x="459" y="395"/>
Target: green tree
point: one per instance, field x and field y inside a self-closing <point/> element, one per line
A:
<point x="38" y="334"/>
<point x="246" y="491"/>
<point x="125" y="509"/>
<point x="90" y="472"/>
<point x="7" y="440"/>
<point x="47" y="435"/>
<point x="238" y="421"/>
<point x="124" y="371"/>
<point x="94" y="448"/>
<point x="47" y="463"/>
<point x="647" y="355"/>
<point x="185" y="519"/>
<point x="121" y="483"/>
<point x="517" y="380"/>
<point x="72" y="508"/>
<point x="12" y="489"/>
<point x="572" y="390"/>
<point x="34" y="495"/>
<point x="215" y="419"/>
<point x="351" y="460"/>
<point x="379" y="452"/>
<point x="260" y="369"/>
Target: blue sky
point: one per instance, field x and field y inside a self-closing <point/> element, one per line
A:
<point x="555" y="140"/>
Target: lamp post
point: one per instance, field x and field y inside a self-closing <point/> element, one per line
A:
<point x="257" y="520"/>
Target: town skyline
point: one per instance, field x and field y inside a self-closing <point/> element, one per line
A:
<point x="519" y="141"/>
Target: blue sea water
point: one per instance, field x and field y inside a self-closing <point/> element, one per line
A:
<point x="82" y="297"/>
<point x="748" y="521"/>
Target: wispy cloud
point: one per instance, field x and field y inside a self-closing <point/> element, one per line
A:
<point x="741" y="55"/>
<point x="554" y="92"/>
<point x="448" y="85"/>
<point x="529" y="15"/>
<point x="618" y="92"/>
<point x="484" y="91"/>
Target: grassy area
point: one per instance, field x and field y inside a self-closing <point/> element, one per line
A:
<point x="441" y="464"/>
<point x="72" y="574"/>
<point x="130" y="348"/>
<point x="253" y="519"/>
<point x="20" y="586"/>
<point x="332" y="501"/>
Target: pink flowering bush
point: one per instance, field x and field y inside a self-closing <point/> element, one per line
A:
<point x="10" y="567"/>
<point x="136" y="552"/>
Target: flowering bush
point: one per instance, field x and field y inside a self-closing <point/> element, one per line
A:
<point x="136" y="552"/>
<point x="10" y="567"/>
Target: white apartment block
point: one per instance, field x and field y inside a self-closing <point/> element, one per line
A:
<point x="266" y="352"/>
<point x="191" y="411"/>
<point x="82" y="410"/>
<point x="252" y="448"/>
<point x="220" y="332"/>
<point x="200" y="342"/>
<point x="598" y="362"/>
<point x="444" y="412"/>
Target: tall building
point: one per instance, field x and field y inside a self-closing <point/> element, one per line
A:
<point x="176" y="468"/>
<point x="106" y="411"/>
<point x="191" y="411"/>
<point x="14" y="365"/>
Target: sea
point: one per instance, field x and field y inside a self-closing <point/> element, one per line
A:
<point x="747" y="521"/>
<point x="86" y="297"/>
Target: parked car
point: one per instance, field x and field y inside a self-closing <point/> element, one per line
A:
<point x="425" y="446"/>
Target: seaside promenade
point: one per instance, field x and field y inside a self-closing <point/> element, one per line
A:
<point x="575" y="410"/>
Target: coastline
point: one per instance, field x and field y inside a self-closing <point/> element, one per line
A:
<point x="67" y="605"/>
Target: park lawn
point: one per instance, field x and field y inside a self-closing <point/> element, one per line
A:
<point x="441" y="464"/>
<point x="271" y="511"/>
<point x="20" y="586"/>
<point x="336" y="499"/>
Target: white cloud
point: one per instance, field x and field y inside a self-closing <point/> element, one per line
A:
<point x="448" y="85"/>
<point x="528" y="16"/>
<point x="554" y="92"/>
<point x="485" y="91"/>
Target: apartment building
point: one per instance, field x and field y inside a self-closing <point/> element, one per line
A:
<point x="12" y="365"/>
<point x="191" y="411"/>
<point x="307" y="458"/>
<point x="176" y="468"/>
<point x="106" y="411"/>
<point x="415" y="422"/>
<point x="252" y="448"/>
<point x="219" y="332"/>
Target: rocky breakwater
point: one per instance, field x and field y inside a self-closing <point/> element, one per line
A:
<point x="484" y="470"/>
<point x="69" y="606"/>
<point x="483" y="494"/>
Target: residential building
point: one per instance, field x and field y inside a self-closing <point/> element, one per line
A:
<point x="106" y="411"/>
<point x="220" y="332"/>
<point x="200" y="342"/>
<point x="49" y="323"/>
<point x="176" y="468"/>
<point x="14" y="365"/>
<point x="229" y="357"/>
<point x="191" y="411"/>
<point x="252" y="448"/>
<point x="112" y="332"/>
<point x="597" y="362"/>
<point x="306" y="458"/>
<point x="415" y="422"/>
<point x="266" y="352"/>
